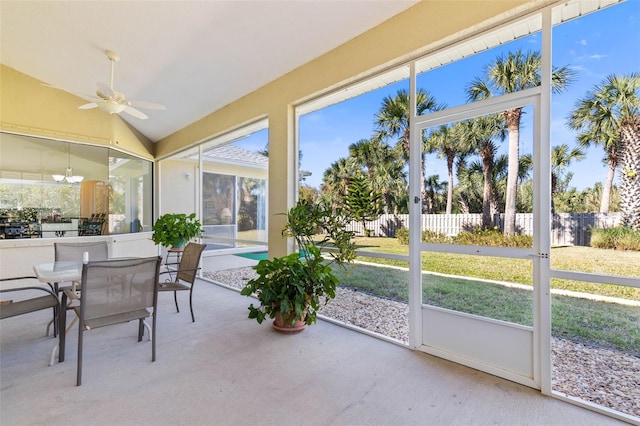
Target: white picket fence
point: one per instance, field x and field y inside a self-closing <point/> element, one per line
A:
<point x="567" y="228"/>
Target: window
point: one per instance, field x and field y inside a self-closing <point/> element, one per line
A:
<point x="59" y="189"/>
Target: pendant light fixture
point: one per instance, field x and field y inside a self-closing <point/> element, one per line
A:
<point x="68" y="175"/>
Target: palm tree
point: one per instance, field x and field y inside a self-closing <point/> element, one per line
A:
<point x="445" y="141"/>
<point x="392" y="119"/>
<point x="383" y="167"/>
<point x="507" y="74"/>
<point x="368" y="153"/>
<point x="336" y="180"/>
<point x="608" y="116"/>
<point x="433" y="190"/>
<point x="479" y="135"/>
<point x="525" y="184"/>
<point x="630" y="182"/>
<point x="390" y="178"/>
<point x="561" y="157"/>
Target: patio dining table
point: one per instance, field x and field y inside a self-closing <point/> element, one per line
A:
<point x="53" y="274"/>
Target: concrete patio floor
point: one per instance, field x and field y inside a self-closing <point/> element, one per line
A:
<point x="225" y="369"/>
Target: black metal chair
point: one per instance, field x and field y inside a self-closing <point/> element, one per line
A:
<point x="113" y="292"/>
<point x="92" y="225"/>
<point x="185" y="275"/>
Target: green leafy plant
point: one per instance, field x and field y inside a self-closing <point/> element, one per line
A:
<point x="297" y="285"/>
<point x="175" y="229"/>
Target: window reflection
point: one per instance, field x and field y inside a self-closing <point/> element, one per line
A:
<point x="113" y="197"/>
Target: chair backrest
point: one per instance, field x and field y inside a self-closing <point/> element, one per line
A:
<point x="115" y="287"/>
<point x="98" y="250"/>
<point x="189" y="262"/>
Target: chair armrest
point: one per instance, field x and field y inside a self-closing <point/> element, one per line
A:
<point x="40" y="288"/>
<point x="27" y="304"/>
<point x="46" y="290"/>
<point x="173" y="271"/>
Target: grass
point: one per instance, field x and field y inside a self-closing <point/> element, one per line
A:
<point x="597" y="323"/>
<point x="582" y="259"/>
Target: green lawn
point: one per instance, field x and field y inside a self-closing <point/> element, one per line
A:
<point x="604" y="324"/>
<point x="583" y="259"/>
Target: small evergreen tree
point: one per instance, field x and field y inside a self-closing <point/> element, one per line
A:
<point x="362" y="202"/>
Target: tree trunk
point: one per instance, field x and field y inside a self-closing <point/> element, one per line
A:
<point x="464" y="203"/>
<point x="606" y="189"/>
<point x="630" y="182"/>
<point x="487" y="194"/>
<point x="512" y="118"/>
<point x="450" y="185"/>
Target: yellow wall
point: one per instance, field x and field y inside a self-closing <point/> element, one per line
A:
<point x="27" y="107"/>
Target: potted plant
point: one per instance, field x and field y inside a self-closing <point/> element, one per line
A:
<point x="292" y="288"/>
<point x="176" y="229"/>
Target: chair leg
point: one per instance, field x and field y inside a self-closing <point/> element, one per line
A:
<point x="62" y="327"/>
<point x="193" y="318"/>
<point x="153" y="336"/>
<point x="80" y="340"/>
<point x="175" y="299"/>
<point x="55" y="323"/>
<point x="140" y="329"/>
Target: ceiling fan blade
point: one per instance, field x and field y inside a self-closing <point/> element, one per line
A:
<point x="147" y="105"/>
<point x="88" y="106"/>
<point x="135" y="113"/>
<point x="106" y="90"/>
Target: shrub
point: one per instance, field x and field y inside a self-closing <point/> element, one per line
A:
<point x="618" y="238"/>
<point x="434" y="237"/>
<point x="402" y="235"/>
<point x="494" y="238"/>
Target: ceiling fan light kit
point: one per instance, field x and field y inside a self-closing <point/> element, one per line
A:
<point x="111" y="107"/>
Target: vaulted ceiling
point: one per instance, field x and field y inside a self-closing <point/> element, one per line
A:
<point x="192" y="56"/>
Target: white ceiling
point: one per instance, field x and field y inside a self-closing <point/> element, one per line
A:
<point x="192" y="56"/>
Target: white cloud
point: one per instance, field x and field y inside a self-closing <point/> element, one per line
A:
<point x="583" y="42"/>
<point x="597" y="56"/>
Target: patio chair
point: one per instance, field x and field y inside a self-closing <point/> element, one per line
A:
<point x="65" y="252"/>
<point x="113" y="292"/>
<point x="97" y="250"/>
<point x="185" y="275"/>
<point x="23" y="300"/>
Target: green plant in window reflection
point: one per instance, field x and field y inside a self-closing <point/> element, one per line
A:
<point x="175" y="229"/>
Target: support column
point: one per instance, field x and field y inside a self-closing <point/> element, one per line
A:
<point x="282" y="177"/>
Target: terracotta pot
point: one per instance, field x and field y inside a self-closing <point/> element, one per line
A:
<point x="283" y="326"/>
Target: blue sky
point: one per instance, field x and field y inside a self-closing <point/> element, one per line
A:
<point x="594" y="46"/>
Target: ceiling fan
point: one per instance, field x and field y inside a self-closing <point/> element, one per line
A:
<point x="114" y="102"/>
